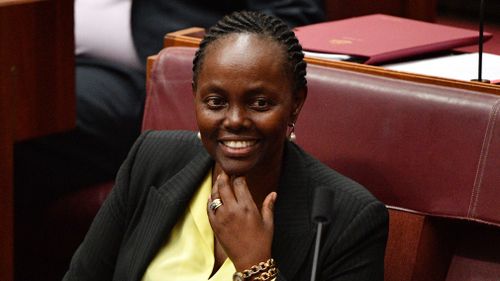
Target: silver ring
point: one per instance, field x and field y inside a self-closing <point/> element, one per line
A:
<point x="216" y="203"/>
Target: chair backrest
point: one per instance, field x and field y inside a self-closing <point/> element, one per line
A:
<point x="425" y="149"/>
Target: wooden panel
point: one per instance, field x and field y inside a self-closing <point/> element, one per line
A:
<point x="402" y="246"/>
<point x="340" y="9"/>
<point x="191" y="37"/>
<point x="149" y="65"/>
<point x="419" y="247"/>
<point x="415" y="9"/>
<point x="36" y="91"/>
<point x="6" y="196"/>
<point x="37" y="58"/>
<point x="435" y="250"/>
<point x="425" y="10"/>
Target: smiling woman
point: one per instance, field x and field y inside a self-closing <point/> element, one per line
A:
<point x="242" y="112"/>
<point x="249" y="87"/>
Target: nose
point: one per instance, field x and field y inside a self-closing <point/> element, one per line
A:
<point x="236" y="119"/>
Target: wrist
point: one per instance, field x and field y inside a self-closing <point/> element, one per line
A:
<point x="248" y="260"/>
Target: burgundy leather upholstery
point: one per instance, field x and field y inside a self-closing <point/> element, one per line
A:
<point x="415" y="146"/>
<point x="420" y="147"/>
<point x="169" y="103"/>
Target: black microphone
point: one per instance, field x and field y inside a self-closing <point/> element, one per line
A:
<point x="481" y="39"/>
<point x="323" y="199"/>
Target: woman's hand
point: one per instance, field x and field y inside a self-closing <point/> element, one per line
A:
<point x="244" y="232"/>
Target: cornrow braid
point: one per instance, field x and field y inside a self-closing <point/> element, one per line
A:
<point x="262" y="25"/>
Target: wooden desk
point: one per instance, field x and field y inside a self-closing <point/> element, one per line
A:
<point x="191" y="37"/>
<point x="36" y="90"/>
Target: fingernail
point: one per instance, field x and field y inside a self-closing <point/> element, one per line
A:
<point x="273" y="201"/>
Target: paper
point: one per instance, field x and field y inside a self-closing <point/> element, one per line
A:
<point x="339" y="57"/>
<point x="459" y="66"/>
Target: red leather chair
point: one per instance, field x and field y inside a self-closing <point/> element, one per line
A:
<point x="431" y="153"/>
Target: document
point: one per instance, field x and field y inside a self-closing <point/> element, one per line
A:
<point x="381" y="38"/>
<point x="458" y="66"/>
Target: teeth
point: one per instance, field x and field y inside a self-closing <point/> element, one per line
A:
<point x="238" y="144"/>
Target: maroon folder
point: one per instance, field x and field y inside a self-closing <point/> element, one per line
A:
<point x="380" y="38"/>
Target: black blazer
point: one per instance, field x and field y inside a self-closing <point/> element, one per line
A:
<point x="159" y="177"/>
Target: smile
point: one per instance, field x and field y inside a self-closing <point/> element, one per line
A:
<point x="238" y="144"/>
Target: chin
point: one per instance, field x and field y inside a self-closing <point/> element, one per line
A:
<point x="235" y="167"/>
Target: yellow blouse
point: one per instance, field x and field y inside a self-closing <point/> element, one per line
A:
<point x="188" y="253"/>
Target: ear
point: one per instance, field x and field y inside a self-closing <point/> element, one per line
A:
<point x="299" y="100"/>
<point x="193" y="88"/>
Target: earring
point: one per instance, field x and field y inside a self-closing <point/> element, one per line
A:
<point x="291" y="136"/>
<point x="198" y="135"/>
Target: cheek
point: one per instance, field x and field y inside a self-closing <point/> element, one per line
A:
<point x="201" y="114"/>
<point x="275" y="124"/>
<point x="208" y="122"/>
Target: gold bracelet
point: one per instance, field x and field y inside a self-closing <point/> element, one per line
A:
<point x="268" y="275"/>
<point x="266" y="269"/>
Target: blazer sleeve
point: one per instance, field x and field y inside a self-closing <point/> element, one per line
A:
<point x="294" y="12"/>
<point x="96" y="256"/>
<point x="358" y="254"/>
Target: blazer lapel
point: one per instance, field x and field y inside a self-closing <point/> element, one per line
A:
<point x="293" y="233"/>
<point x="162" y="208"/>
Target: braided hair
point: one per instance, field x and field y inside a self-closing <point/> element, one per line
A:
<point x="263" y="25"/>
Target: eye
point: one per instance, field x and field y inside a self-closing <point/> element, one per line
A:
<point x="261" y="104"/>
<point x="215" y="102"/>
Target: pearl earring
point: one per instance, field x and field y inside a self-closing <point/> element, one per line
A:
<point x="291" y="136"/>
<point x="198" y="135"/>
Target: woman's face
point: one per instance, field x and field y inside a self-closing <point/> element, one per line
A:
<point x="244" y="103"/>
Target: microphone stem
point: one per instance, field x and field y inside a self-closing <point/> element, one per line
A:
<point x="481" y="31"/>
<point x="316" y="251"/>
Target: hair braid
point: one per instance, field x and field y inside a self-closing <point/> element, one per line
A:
<point x="263" y="25"/>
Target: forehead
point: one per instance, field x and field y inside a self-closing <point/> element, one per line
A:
<point x="244" y="51"/>
<point x="246" y="41"/>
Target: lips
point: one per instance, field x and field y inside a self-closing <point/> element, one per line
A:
<point x="238" y="148"/>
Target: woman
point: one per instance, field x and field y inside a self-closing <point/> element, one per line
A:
<point x="249" y="86"/>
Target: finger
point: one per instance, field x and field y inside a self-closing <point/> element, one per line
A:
<point x="214" y="194"/>
<point x="267" y="210"/>
<point x="223" y="187"/>
<point x="211" y="214"/>
<point x="213" y="205"/>
<point x="241" y="191"/>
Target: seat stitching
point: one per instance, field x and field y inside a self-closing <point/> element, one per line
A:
<point x="488" y="136"/>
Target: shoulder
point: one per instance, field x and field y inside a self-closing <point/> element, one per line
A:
<point x="350" y="197"/>
<point x="177" y="144"/>
<point x="157" y="155"/>
<point x="173" y="137"/>
<point x="357" y="234"/>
